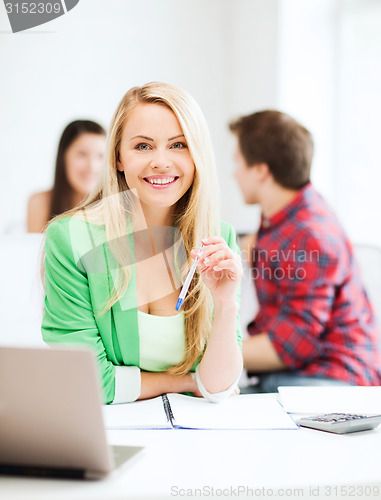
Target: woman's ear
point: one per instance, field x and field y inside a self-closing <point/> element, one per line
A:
<point x="119" y="165"/>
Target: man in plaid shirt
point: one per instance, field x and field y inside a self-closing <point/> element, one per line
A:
<point x="315" y="325"/>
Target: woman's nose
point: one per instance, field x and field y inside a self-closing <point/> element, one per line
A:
<point x="93" y="164"/>
<point x="160" y="160"/>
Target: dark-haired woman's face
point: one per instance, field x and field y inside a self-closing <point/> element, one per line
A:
<point x="83" y="161"/>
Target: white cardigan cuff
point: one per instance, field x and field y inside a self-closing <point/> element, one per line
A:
<point x="216" y="397"/>
<point x="127" y="384"/>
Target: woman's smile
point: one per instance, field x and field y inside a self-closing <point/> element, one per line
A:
<point x="161" y="181"/>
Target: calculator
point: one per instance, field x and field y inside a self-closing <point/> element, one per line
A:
<point x="340" y="423"/>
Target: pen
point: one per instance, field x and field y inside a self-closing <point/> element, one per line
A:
<point x="187" y="282"/>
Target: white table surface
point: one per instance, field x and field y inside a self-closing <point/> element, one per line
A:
<point x="271" y="463"/>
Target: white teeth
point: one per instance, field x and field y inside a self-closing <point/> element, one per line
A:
<point x="167" y="180"/>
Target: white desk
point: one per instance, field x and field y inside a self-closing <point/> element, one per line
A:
<point x="273" y="460"/>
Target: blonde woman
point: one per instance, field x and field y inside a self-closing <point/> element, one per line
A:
<point x="114" y="265"/>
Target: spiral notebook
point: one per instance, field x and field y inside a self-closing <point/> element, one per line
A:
<point x="177" y="411"/>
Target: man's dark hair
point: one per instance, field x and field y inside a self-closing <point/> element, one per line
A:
<point x="278" y="140"/>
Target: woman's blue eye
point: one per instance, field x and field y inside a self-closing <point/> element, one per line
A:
<point x="142" y="146"/>
<point x="179" y="145"/>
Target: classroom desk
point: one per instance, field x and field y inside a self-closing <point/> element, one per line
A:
<point x="302" y="464"/>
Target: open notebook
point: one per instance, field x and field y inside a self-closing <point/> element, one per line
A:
<point x="177" y="411"/>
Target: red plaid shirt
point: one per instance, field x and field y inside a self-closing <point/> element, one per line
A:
<point x="312" y="302"/>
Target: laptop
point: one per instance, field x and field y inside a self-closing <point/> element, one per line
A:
<point x="51" y="421"/>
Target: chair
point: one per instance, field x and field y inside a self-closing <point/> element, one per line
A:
<point x="249" y="302"/>
<point x="21" y="291"/>
<point x="247" y="312"/>
<point x="369" y="260"/>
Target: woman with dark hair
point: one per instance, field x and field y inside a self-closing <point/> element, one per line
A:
<point x="79" y="161"/>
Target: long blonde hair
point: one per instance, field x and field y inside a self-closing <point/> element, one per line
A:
<point x="196" y="214"/>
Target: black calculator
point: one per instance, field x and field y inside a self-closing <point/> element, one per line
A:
<point x="340" y="423"/>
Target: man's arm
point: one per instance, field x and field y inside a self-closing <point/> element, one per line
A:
<point x="259" y="355"/>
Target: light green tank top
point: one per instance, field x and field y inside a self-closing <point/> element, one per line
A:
<point x="162" y="341"/>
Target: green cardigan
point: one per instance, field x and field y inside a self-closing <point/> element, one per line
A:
<point x="79" y="276"/>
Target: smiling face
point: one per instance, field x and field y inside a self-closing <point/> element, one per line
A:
<point x="155" y="158"/>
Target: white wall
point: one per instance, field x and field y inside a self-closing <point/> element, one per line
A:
<point x="329" y="78"/>
<point x="306" y="78"/>
<point x="315" y="59"/>
<point x="359" y="100"/>
<point x="80" y="65"/>
<point x="84" y="67"/>
<point x="250" y="84"/>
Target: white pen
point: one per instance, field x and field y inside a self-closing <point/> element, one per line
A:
<point x="187" y="282"/>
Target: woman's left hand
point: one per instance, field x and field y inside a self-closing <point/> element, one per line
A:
<point x="221" y="269"/>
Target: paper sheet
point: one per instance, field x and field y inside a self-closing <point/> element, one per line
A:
<point x="247" y="411"/>
<point x="146" y="414"/>
<point x="345" y="399"/>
